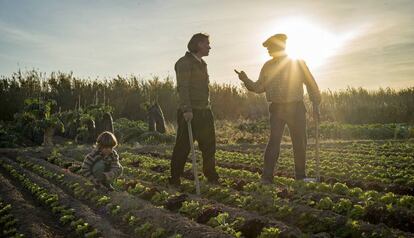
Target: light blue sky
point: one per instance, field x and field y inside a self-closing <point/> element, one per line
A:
<point x="145" y="37"/>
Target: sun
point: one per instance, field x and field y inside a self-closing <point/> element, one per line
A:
<point x="307" y="41"/>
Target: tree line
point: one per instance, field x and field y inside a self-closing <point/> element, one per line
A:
<point x="130" y="97"/>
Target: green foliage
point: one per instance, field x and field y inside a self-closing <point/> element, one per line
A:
<point x="128" y="130"/>
<point x="92" y="234"/>
<point x="360" y="106"/>
<point x="160" y="198"/>
<point x="388" y="198"/>
<point x="104" y="200"/>
<point x="96" y="111"/>
<point x="191" y="209"/>
<point x="223" y="222"/>
<point x="253" y="127"/>
<point x="145" y="230"/>
<point x="343" y="206"/>
<point x="341" y="188"/>
<point x="158" y="233"/>
<point x="66" y="219"/>
<point x="325" y="203"/>
<point x="155" y="137"/>
<point x="82" y="228"/>
<point x="35" y="118"/>
<point x="128" y="95"/>
<point x="9" y="138"/>
<point x="139" y="188"/>
<point x="115" y="210"/>
<point x="406" y="201"/>
<point x="355" y="191"/>
<point x="270" y="232"/>
<point x="351" y="229"/>
<point x="357" y="211"/>
<point x="338" y="130"/>
<point x="370" y="196"/>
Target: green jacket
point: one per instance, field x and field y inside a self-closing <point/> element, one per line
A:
<point x="192" y="83"/>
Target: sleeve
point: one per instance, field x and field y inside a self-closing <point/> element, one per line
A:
<point x="86" y="169"/>
<point x="183" y="75"/>
<point x="259" y="85"/>
<point x="115" y="169"/>
<point x="310" y="83"/>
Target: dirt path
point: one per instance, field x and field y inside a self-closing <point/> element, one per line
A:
<point x="81" y="210"/>
<point x="34" y="221"/>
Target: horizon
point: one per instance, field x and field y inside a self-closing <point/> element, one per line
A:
<point x="352" y="44"/>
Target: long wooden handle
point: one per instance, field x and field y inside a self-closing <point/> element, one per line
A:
<point x="318" y="176"/>
<point x="190" y="136"/>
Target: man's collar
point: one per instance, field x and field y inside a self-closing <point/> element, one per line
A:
<point x="193" y="56"/>
<point x="196" y="57"/>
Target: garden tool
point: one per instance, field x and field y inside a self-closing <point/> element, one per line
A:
<point x="318" y="176"/>
<point x="193" y="157"/>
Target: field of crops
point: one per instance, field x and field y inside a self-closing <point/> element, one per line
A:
<point x="366" y="190"/>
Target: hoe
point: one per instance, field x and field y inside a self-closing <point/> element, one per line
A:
<point x="190" y="136"/>
<point x="318" y="176"/>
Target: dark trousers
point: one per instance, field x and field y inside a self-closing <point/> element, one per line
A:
<point x="292" y="114"/>
<point x="203" y="131"/>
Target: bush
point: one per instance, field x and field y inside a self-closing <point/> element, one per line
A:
<point x="128" y="131"/>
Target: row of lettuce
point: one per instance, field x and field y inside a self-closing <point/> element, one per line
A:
<point x="221" y="220"/>
<point x="99" y="200"/>
<point x="335" y="209"/>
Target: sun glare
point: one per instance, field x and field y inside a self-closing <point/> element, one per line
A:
<point x="307" y="41"/>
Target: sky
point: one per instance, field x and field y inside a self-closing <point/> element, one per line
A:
<point x="364" y="43"/>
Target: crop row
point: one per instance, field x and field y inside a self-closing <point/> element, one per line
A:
<point x="251" y="192"/>
<point x="8" y="222"/>
<point x="268" y="203"/>
<point x="361" y="205"/>
<point x="377" y="148"/>
<point x="336" y="167"/>
<point x="65" y="213"/>
<point x="338" y="198"/>
<point x="232" y="221"/>
<point x="107" y="201"/>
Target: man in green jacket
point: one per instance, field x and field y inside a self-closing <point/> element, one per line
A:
<point x="194" y="107"/>
<point x="282" y="80"/>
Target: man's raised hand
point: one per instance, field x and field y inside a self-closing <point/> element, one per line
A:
<point x="242" y="75"/>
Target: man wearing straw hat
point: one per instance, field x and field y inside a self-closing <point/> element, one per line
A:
<point x="193" y="92"/>
<point x="282" y="80"/>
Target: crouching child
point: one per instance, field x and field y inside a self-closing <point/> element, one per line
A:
<point x="102" y="165"/>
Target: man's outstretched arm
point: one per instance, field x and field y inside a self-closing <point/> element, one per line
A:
<point x="257" y="87"/>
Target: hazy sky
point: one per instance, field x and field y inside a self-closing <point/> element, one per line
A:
<point x="374" y="39"/>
